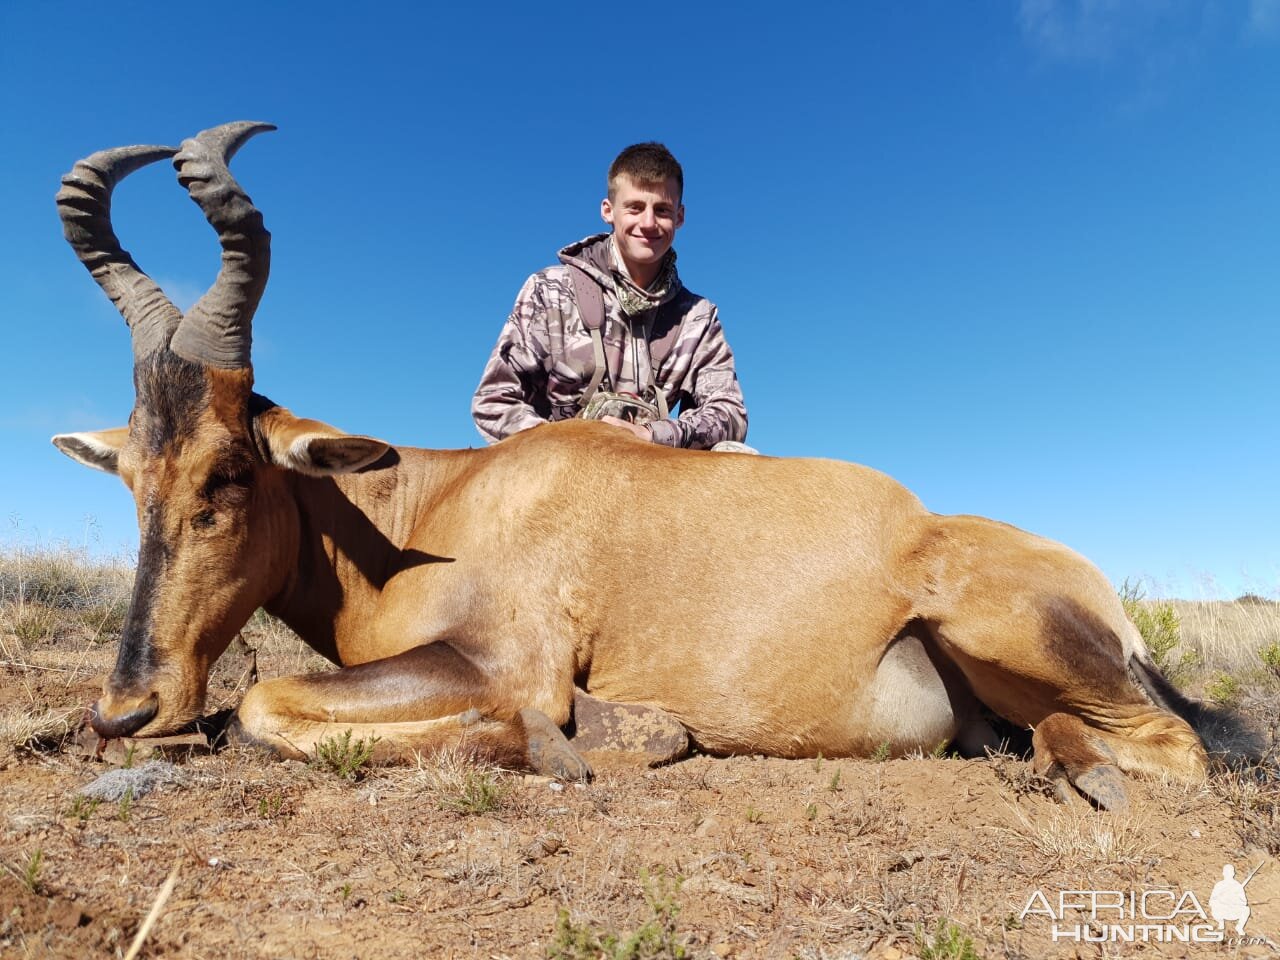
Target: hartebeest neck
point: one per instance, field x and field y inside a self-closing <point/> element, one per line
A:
<point x="352" y="533"/>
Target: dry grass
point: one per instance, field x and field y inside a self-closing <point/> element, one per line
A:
<point x="46" y="592"/>
<point x="460" y="783"/>
<point x="1229" y="636"/>
<point x="27" y="729"/>
<point x="1076" y="836"/>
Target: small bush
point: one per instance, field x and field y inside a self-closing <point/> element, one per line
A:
<point x="655" y="939"/>
<point x="270" y="805"/>
<point x="1224" y="690"/>
<point x="1255" y="600"/>
<point x="1270" y="655"/>
<point x="342" y="757"/>
<point x="1157" y="622"/>
<point x="478" y="792"/>
<point x="947" y="942"/>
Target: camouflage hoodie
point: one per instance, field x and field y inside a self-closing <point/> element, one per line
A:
<point x="543" y="363"/>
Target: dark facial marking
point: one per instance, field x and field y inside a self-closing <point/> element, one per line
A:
<point x="171" y="395"/>
<point x="136" y="659"/>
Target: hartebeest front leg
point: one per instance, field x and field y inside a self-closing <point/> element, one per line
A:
<point x="425" y="700"/>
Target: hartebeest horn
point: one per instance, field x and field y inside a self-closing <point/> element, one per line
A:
<point x="217" y="331"/>
<point x="84" y="203"/>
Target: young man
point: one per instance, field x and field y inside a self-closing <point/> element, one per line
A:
<point x="656" y="339"/>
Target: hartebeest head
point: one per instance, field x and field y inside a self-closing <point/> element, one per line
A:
<point x="205" y="457"/>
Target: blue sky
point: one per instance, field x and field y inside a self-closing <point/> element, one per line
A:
<point x="1024" y="257"/>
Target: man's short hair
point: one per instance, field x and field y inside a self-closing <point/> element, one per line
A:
<point x="646" y="163"/>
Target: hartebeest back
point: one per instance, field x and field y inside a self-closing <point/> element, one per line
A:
<point x="789" y="607"/>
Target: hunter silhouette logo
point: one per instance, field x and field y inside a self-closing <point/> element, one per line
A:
<point x="1228" y="900"/>
<point x="1162" y="915"/>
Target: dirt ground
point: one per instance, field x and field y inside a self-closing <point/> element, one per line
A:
<point x="742" y="857"/>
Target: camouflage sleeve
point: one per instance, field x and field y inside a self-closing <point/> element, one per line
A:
<point x="512" y="393"/>
<point x="717" y="411"/>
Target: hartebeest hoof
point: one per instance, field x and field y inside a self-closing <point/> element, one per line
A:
<point x="234" y="734"/>
<point x="549" y="753"/>
<point x="1068" y="751"/>
<point x="647" y="732"/>
<point x="1105" y="786"/>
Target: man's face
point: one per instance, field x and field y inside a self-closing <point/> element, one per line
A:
<point x="644" y="217"/>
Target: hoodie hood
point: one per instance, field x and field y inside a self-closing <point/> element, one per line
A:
<point x="597" y="256"/>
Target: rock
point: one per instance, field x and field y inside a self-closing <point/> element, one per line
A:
<point x="632" y="728"/>
<point x="135" y="782"/>
<point x="709" y="827"/>
<point x="123" y="749"/>
<point x="543" y="846"/>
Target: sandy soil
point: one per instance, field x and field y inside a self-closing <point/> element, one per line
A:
<point x="742" y="857"/>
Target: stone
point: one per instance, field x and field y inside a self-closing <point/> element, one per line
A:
<point x="135" y="782"/>
<point x="631" y="728"/>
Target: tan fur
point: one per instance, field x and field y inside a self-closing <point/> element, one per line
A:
<point x="762" y="602"/>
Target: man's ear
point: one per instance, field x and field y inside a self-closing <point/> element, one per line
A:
<point x="606" y="211"/>
<point x="680" y="216"/>
<point x="312" y="447"/>
<point x="99" y="449"/>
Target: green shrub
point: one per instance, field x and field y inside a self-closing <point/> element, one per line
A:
<point x="478" y="792"/>
<point x="947" y="942"/>
<point x="1270" y="655"/>
<point x="1157" y="622"/>
<point x="655" y="939"/>
<point x="340" y="756"/>
<point x="1224" y="689"/>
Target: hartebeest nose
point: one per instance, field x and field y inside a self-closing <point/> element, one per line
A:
<point x="113" y="719"/>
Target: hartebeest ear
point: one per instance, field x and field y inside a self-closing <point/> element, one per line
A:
<point x="99" y="449"/>
<point x="312" y="447"/>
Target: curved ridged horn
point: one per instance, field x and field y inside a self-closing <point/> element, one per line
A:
<point x="218" y="330"/>
<point x="84" y="203"/>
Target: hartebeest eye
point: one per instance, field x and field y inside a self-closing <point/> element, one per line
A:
<point x="228" y="487"/>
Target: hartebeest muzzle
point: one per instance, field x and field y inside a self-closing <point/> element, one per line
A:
<point x="114" y="716"/>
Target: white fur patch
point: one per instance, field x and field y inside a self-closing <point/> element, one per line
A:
<point x="298" y="457"/>
<point x="89" y="449"/>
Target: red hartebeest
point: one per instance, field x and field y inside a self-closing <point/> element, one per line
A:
<point x="787" y="607"/>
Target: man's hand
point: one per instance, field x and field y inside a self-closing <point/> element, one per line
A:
<point x="641" y="430"/>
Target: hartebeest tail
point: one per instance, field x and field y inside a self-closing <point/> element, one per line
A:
<point x="1226" y="737"/>
<point x="789" y="607"/>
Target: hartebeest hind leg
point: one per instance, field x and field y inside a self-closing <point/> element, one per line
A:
<point x="1090" y="721"/>
<point x="1042" y="640"/>
<point x="424" y="700"/>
